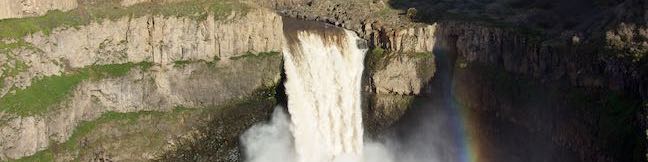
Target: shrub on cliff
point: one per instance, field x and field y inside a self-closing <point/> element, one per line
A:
<point x="411" y="12"/>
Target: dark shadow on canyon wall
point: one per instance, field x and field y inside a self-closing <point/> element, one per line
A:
<point x="547" y="15"/>
<point x="546" y="114"/>
<point x="438" y="128"/>
<point x="493" y="115"/>
<point x="217" y="139"/>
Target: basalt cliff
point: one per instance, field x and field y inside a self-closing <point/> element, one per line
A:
<point x="180" y="80"/>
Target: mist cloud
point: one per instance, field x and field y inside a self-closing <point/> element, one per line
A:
<point x="272" y="141"/>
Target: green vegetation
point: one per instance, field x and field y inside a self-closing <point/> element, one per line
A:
<point x="378" y="58"/>
<point x="15" y="29"/>
<point x="236" y="114"/>
<point x="5" y="48"/>
<point x="98" y="11"/>
<point x="387" y="11"/>
<point x="227" y="123"/>
<point x="257" y="55"/>
<point x="623" y="50"/>
<point x="378" y="52"/>
<point x="422" y="55"/>
<point x="49" y="91"/>
<point x="96" y="72"/>
<point x="411" y="12"/>
<point x="145" y="66"/>
<point x="11" y="69"/>
<point x="214" y="61"/>
<point x="41" y="156"/>
<point x="18" y="67"/>
<point x="181" y="63"/>
<point x="14" y="66"/>
<point x="86" y="127"/>
<point x="374" y="57"/>
<point x="40" y="95"/>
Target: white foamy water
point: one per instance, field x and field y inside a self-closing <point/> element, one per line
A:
<point x="324" y="73"/>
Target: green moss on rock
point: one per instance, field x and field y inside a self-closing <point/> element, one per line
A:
<point x="41" y="156"/>
<point x="221" y="133"/>
<point x="256" y="55"/>
<point x="222" y="125"/>
<point x="48" y="91"/>
<point x="98" y="11"/>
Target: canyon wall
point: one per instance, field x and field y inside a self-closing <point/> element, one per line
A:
<point x="573" y="54"/>
<point x="30" y="8"/>
<point x="163" y="63"/>
<point x="155" y="63"/>
<point x="605" y="59"/>
<point x="564" y="89"/>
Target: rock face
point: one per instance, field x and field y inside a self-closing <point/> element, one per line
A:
<point x="521" y="54"/>
<point x="156" y="89"/>
<point x="601" y="71"/>
<point x="157" y="39"/>
<point x="404" y="75"/>
<point x="549" y="56"/>
<point x="397" y="74"/>
<point x="552" y="64"/>
<point x="29" y="8"/>
<point x="607" y="52"/>
<point x="127" y="3"/>
<point x="194" y="64"/>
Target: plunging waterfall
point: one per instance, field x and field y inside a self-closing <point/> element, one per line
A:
<point x="324" y="71"/>
<point x="323" y="66"/>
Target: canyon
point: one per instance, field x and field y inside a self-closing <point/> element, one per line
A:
<point x="138" y="80"/>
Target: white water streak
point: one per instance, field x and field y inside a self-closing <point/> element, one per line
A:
<point x="323" y="86"/>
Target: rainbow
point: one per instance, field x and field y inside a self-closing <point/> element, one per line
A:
<point x="464" y="122"/>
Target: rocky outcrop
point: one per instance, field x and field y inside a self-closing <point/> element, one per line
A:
<point x="404" y="75"/>
<point x="383" y="110"/>
<point x="582" y="65"/>
<point x="127" y="3"/>
<point x="30" y="8"/>
<point x="156" y="89"/>
<point x="387" y="31"/>
<point x="157" y="39"/>
<point x="195" y="64"/>
<point x="277" y="4"/>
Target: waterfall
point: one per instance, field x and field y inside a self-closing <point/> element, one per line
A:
<point x="324" y="65"/>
